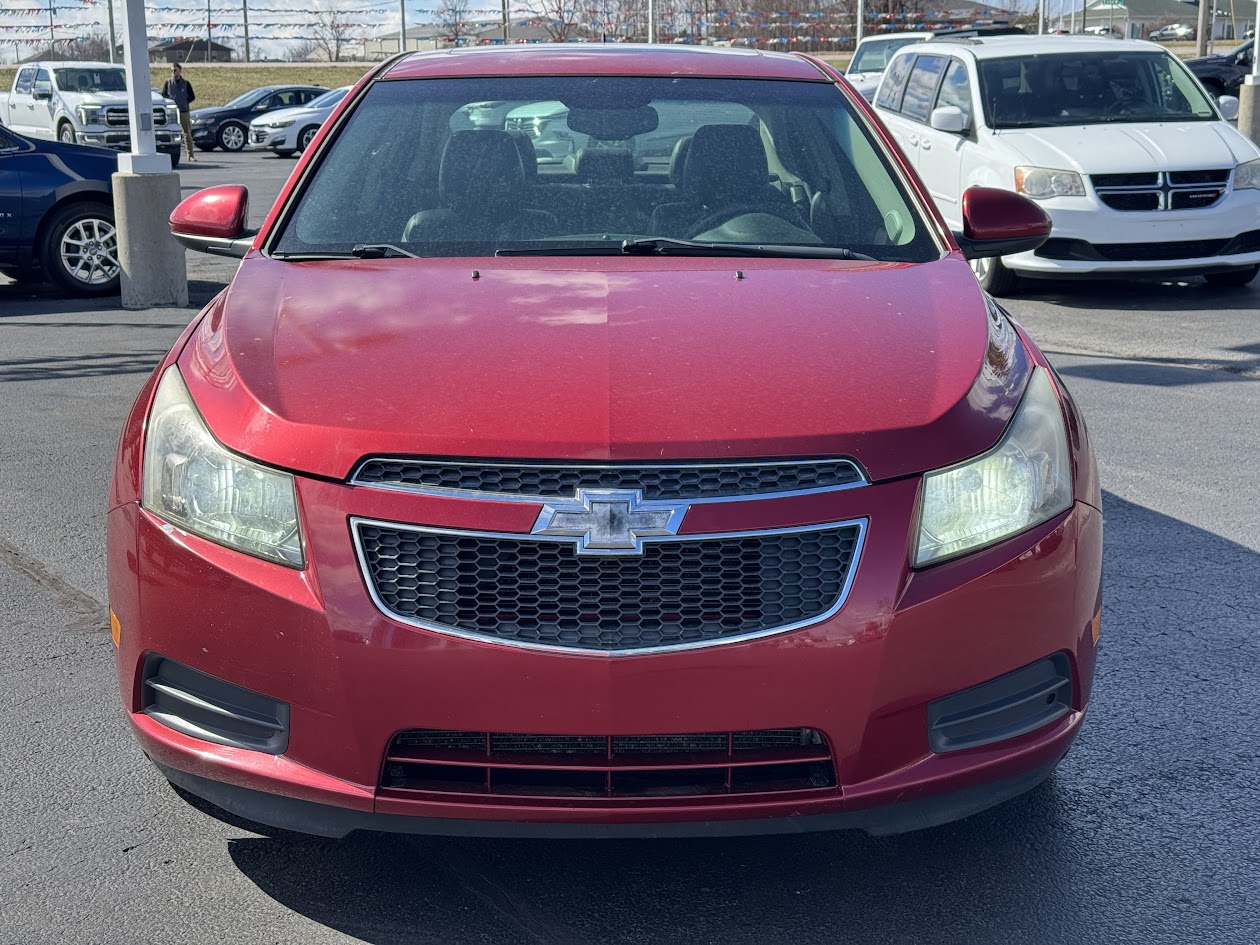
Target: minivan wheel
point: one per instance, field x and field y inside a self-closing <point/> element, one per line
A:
<point x="994" y="277"/>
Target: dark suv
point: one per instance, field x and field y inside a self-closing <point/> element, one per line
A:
<point x="1222" y="75"/>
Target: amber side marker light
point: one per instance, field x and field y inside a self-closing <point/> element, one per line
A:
<point x="115" y="628"/>
<point x="1095" y="626"/>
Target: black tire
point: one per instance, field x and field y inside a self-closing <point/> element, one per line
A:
<point x="174" y="154"/>
<point x="305" y="135"/>
<point x="284" y="153"/>
<point x="995" y="278"/>
<point x="1232" y="277"/>
<point x="65" y="133"/>
<point x="205" y="147"/>
<point x="79" y="249"/>
<point x="232" y="136"/>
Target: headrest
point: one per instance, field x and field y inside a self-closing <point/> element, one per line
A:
<point x="529" y="155"/>
<point x="604" y="165"/>
<point x="725" y="163"/>
<point x="481" y="171"/>
<point x="678" y="160"/>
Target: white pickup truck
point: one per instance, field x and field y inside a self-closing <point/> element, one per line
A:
<point x="83" y="103"/>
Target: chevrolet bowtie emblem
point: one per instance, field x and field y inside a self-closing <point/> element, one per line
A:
<point x="609" y="521"/>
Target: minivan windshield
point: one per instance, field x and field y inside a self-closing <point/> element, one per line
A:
<point x="601" y="165"/>
<point x="1089" y="88"/>
<point x="91" y="80"/>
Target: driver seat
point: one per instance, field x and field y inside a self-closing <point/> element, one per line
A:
<point x="725" y="169"/>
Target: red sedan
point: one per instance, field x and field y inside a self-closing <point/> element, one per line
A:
<point x="649" y="465"/>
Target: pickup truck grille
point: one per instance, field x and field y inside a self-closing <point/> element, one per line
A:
<point x="117" y="115"/>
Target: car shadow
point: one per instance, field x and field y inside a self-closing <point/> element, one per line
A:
<point x="1191" y="294"/>
<point x="1162" y="373"/>
<point x="1143" y="835"/>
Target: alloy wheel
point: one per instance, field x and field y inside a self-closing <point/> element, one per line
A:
<point x="89" y="251"/>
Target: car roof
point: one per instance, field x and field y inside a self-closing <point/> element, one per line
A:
<point x="69" y="64"/>
<point x="994" y="47"/>
<point x="547" y="59"/>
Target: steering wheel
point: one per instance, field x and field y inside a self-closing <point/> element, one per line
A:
<point x="716" y="218"/>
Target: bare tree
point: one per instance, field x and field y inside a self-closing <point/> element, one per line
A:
<point x="86" y="48"/>
<point x="557" y="17"/>
<point x="452" y="20"/>
<point x="330" y="32"/>
<point x="303" y="50"/>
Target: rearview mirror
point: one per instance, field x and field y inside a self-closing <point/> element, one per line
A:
<point x="1000" y="223"/>
<point x="213" y="221"/>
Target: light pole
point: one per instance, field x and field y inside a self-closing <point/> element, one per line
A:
<point x="1248" y="95"/>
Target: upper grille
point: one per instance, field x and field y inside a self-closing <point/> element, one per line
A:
<point x="117" y="115"/>
<point x="706" y="764"/>
<point x="1162" y="190"/>
<point x="543" y="593"/>
<point x="673" y="481"/>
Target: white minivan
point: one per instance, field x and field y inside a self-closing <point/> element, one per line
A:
<point x="1138" y="168"/>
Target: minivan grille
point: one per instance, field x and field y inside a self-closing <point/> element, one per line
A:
<point x="1162" y="190"/>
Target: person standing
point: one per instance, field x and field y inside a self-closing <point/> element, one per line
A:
<point x="180" y="91"/>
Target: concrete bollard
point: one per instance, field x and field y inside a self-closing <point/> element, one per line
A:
<point x="1249" y="108"/>
<point x="153" y="268"/>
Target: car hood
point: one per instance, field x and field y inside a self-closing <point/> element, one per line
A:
<point x="106" y="98"/>
<point x="297" y="113"/>
<point x="79" y="160"/>
<point x="1126" y="148"/>
<point x="311" y="366"/>
<point x="216" y="112"/>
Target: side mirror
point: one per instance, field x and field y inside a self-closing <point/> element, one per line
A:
<point x="948" y="118"/>
<point x="41" y="95"/>
<point x="1228" y="106"/>
<point x="213" y="221"/>
<point x="999" y="223"/>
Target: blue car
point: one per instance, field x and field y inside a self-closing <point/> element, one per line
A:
<point x="57" y="214"/>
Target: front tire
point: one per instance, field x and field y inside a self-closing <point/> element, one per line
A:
<point x="174" y="154"/>
<point x="306" y="136"/>
<point x="65" y="133"/>
<point x="232" y="136"/>
<point x="994" y="277"/>
<point x="79" y="252"/>
<point x="1232" y="277"/>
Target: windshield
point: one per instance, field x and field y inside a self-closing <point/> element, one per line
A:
<point x="328" y="99"/>
<point x="91" y="80"/>
<point x="247" y="99"/>
<point x="595" y="162"/>
<point x="1089" y="88"/>
<point x="873" y="54"/>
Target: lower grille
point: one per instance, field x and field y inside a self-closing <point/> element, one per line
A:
<point x="675" y="593"/>
<point x="708" y="764"/>
<point x="1002" y="708"/>
<point x="1146" y="252"/>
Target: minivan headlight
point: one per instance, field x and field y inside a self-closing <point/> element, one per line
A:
<point x="1023" y="481"/>
<point x="192" y="481"/>
<point x="1247" y="176"/>
<point x="1041" y="183"/>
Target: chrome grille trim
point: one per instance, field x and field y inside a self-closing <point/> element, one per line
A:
<point x="540" y="498"/>
<point x="1167" y="190"/>
<point x="365" y="571"/>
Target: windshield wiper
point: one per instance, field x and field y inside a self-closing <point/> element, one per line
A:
<point x="362" y="251"/>
<point x="663" y="246"/>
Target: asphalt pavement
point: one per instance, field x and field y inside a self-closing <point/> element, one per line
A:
<point x="1147" y="834"/>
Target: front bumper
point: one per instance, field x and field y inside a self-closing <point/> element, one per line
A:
<point x="354" y="678"/>
<point x="262" y="138"/>
<point x="121" y="140"/>
<point x="1089" y="238"/>
<point x="205" y="134"/>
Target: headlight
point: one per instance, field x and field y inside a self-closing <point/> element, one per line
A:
<point x="89" y="114"/>
<point x="1247" y="176"/>
<point x="1023" y="481"/>
<point x="193" y="482"/>
<point x="284" y="123"/>
<point x="200" y="121"/>
<point x="1043" y="182"/>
